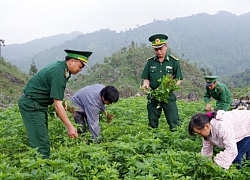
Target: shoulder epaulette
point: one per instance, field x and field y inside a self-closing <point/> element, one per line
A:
<point x="175" y="58"/>
<point x="150" y="58"/>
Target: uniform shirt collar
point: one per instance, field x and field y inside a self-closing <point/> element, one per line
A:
<point x="166" y="58"/>
<point x="67" y="73"/>
<point x="216" y="88"/>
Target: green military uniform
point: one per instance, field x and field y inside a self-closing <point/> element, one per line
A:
<point x="220" y="93"/>
<point x="45" y="86"/>
<point x="153" y="71"/>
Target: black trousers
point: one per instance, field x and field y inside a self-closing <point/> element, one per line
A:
<point x="81" y="119"/>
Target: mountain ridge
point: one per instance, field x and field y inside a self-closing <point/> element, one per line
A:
<point x="218" y="42"/>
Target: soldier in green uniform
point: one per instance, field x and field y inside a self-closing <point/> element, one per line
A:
<point x="43" y="89"/>
<point x="156" y="67"/>
<point x="219" y="92"/>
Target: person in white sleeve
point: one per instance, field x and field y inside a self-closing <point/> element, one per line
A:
<point x="224" y="129"/>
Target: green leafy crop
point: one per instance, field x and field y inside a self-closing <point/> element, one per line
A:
<point x="129" y="150"/>
<point x="167" y="85"/>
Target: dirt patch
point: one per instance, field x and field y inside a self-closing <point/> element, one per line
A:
<point x="13" y="79"/>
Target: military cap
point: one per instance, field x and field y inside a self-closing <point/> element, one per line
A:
<point x="158" y="40"/>
<point x="80" y="55"/>
<point x="210" y="79"/>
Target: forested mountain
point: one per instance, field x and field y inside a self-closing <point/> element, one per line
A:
<point x="238" y="80"/>
<point x="21" y="55"/>
<point x="219" y="42"/>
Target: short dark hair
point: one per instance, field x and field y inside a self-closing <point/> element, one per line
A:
<point x="68" y="58"/>
<point x="110" y="93"/>
<point x="199" y="121"/>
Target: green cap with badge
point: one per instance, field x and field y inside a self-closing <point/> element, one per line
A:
<point x="82" y="56"/>
<point x="210" y="79"/>
<point x="158" y="40"/>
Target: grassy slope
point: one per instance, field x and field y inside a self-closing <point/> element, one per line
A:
<point x="12" y="81"/>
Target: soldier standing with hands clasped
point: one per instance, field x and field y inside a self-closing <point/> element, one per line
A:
<point x="156" y="67"/>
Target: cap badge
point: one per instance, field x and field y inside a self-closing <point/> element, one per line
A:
<point x="157" y="40"/>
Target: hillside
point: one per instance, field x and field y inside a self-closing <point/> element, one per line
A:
<point x="123" y="70"/>
<point x="21" y="55"/>
<point x="12" y="81"/>
<point x="218" y="42"/>
<point x="239" y="80"/>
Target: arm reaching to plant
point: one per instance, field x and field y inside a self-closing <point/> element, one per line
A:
<point x="72" y="132"/>
<point x="108" y="116"/>
<point x="105" y="112"/>
<point x="209" y="107"/>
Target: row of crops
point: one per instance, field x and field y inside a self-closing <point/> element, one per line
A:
<point x="129" y="150"/>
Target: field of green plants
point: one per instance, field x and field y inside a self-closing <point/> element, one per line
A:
<point x="129" y="150"/>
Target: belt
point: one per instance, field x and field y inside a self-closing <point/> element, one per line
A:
<point x="26" y="95"/>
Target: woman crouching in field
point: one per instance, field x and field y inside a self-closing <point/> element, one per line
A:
<point x="229" y="130"/>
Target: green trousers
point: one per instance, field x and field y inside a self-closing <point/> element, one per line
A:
<point x="35" y="119"/>
<point x="170" y="111"/>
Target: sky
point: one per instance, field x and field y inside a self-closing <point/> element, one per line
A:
<point x="22" y="21"/>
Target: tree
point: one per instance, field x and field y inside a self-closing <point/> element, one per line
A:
<point x="203" y="71"/>
<point x="33" y="69"/>
<point x="209" y="73"/>
<point x="132" y="44"/>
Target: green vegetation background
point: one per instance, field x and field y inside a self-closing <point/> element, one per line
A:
<point x="129" y="150"/>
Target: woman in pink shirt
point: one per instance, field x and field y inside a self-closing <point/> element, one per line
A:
<point x="229" y="130"/>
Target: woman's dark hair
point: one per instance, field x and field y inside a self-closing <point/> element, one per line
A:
<point x="110" y="93"/>
<point x="199" y="121"/>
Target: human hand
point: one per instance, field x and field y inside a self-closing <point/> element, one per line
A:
<point x="178" y="82"/>
<point x="72" y="132"/>
<point x="106" y="113"/>
<point x="145" y="85"/>
<point x="209" y="108"/>
<point x="110" y="118"/>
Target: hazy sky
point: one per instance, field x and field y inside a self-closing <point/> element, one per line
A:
<point x="25" y="20"/>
